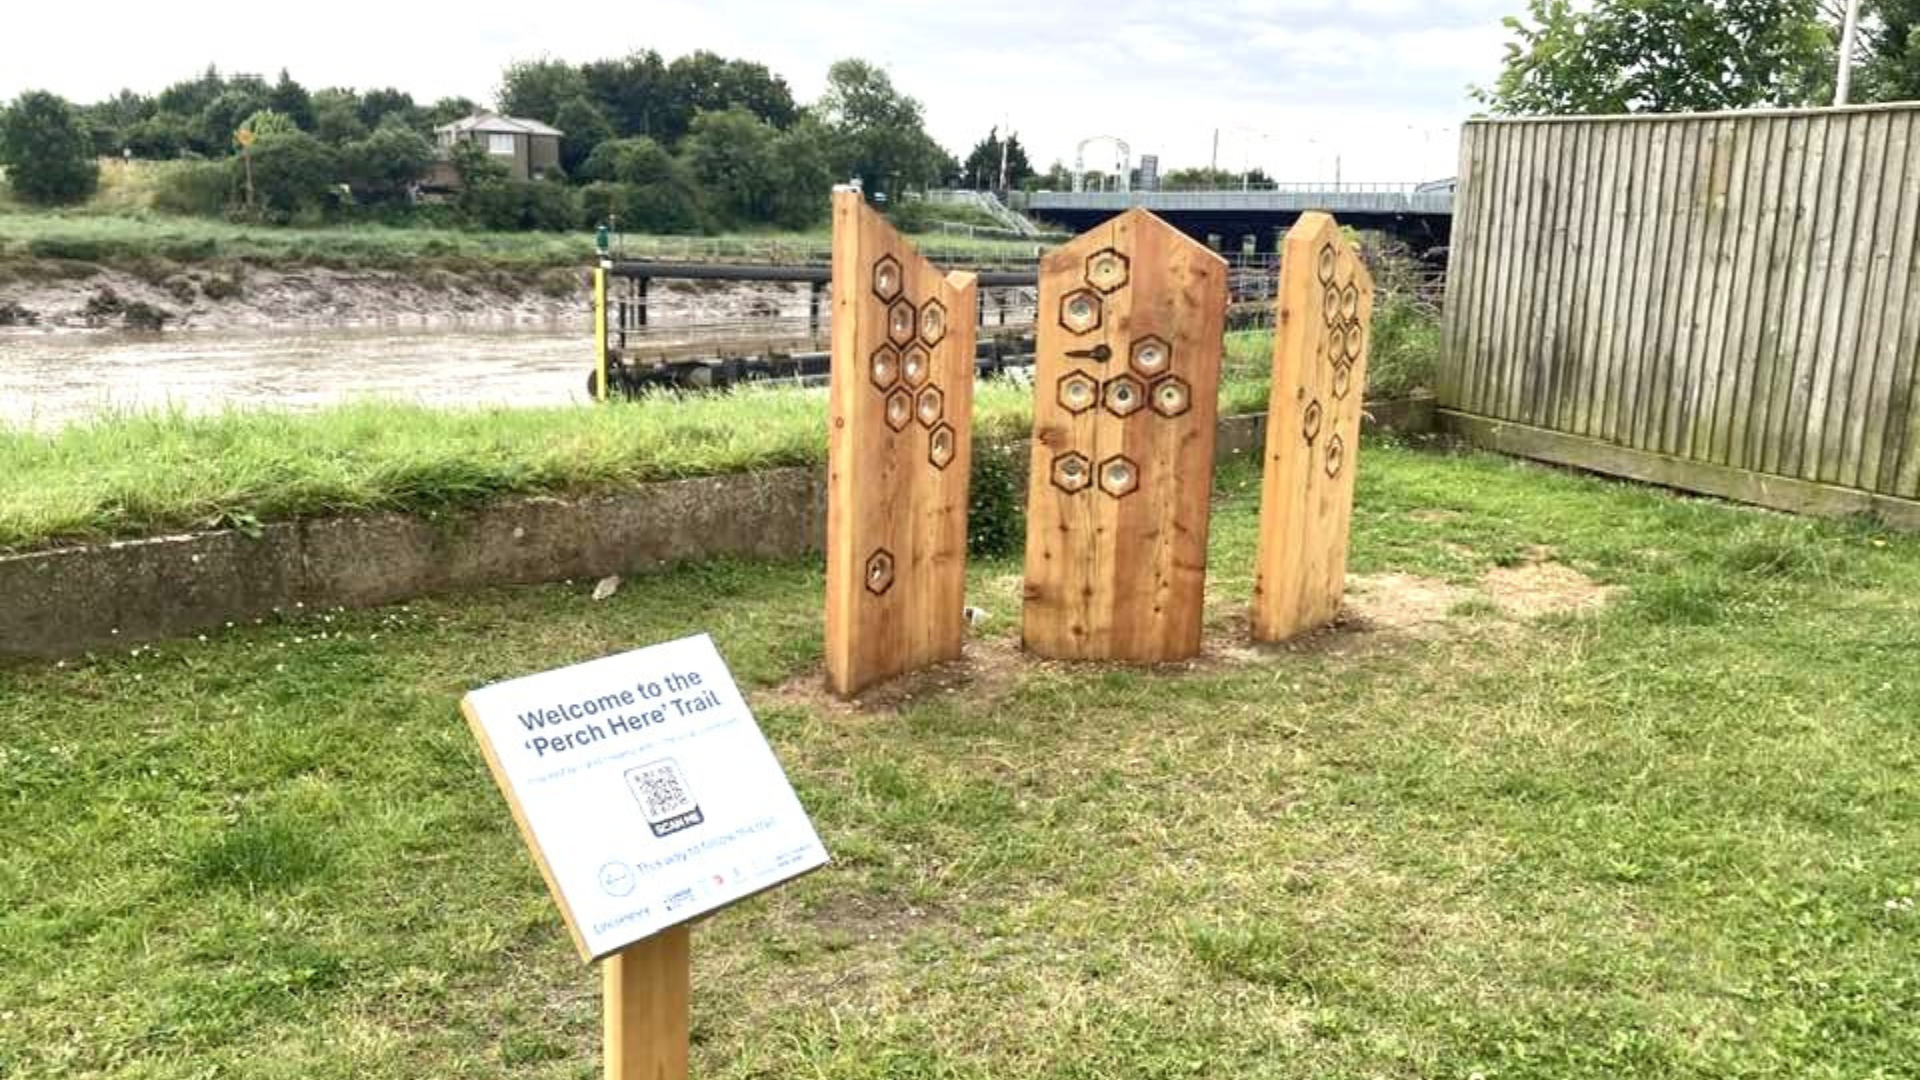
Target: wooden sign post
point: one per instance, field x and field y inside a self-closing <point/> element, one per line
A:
<point x="899" y="453"/>
<point x="1322" y="331"/>
<point x="1126" y="387"/>
<point x="649" y="798"/>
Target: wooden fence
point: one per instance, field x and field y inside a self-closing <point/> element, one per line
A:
<point x="1727" y="303"/>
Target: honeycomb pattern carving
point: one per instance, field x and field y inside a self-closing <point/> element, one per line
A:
<point x="1172" y="396"/>
<point x="1310" y="421"/>
<point x="901" y="319"/>
<point x="879" y="575"/>
<point x="1151" y="356"/>
<point x="940" y="446"/>
<point x="933" y="323"/>
<point x="1336" y="455"/>
<point x="1077" y="392"/>
<point x="1071" y="473"/>
<point x="899" y="409"/>
<point x="884" y="368"/>
<point x="1107" y="270"/>
<point x="916" y="365"/>
<point x="930" y="406"/>
<point x="1080" y="311"/>
<point x="1119" y="476"/>
<point x="887" y="278"/>
<point x="1125" y="396"/>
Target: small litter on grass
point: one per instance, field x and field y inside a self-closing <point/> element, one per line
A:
<point x="606" y="587"/>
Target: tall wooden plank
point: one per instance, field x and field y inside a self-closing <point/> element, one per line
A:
<point x="1696" y="155"/>
<point x="899" y="451"/>
<point x="1497" y="290"/>
<point x="1628" y="308"/>
<point x="1905" y="478"/>
<point x="1541" y="229"/>
<point x="1602" y="257"/>
<point x="1826" y="262"/>
<point x="1728" y="187"/>
<point x="1462" y="267"/>
<point x="1567" y="364"/>
<point x="1126" y="371"/>
<point x="1759" y="264"/>
<point x="1804" y="297"/>
<point x="1669" y="235"/>
<point x="1322" y="332"/>
<point x="1865" y="303"/>
<point x="1886" y="439"/>
<point x="1800" y="178"/>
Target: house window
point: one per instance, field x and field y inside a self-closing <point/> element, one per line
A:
<point x="500" y="144"/>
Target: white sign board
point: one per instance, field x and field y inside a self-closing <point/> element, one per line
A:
<point x="644" y="788"/>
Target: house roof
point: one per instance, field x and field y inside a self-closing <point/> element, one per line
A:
<point x="484" y="121"/>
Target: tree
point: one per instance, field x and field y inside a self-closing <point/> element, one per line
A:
<point x="160" y="137"/>
<point x="631" y="91"/>
<point x="1892" y="68"/>
<point x="536" y="89"/>
<point x="583" y="127"/>
<point x="638" y="160"/>
<point x="982" y="167"/>
<point x="213" y="131"/>
<point x="291" y="100"/>
<point x="878" y="133"/>
<point x="293" y="174"/>
<point x="1620" y="56"/>
<point x="47" y="150"/>
<point x="191" y="98"/>
<point x="266" y="124"/>
<point x="379" y="106"/>
<point x="449" y="109"/>
<point x="384" y="166"/>
<point x="707" y="82"/>
<point x="729" y="154"/>
<point x="336" y="116"/>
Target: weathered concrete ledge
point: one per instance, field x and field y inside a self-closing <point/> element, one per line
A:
<point x="64" y="602"/>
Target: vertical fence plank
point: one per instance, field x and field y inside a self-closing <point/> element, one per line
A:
<point x="1887" y="431"/>
<point x="1727" y="203"/>
<point x="899" y="451"/>
<point x="1759" y="263"/>
<point x="1866" y="298"/>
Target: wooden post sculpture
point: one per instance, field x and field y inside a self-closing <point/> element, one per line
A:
<point x="1322" y="331"/>
<point x="899" y="450"/>
<point x="1126" y="387"/>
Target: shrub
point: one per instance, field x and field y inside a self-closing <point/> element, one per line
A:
<point x="293" y="176"/>
<point x="198" y="188"/>
<point x="384" y="166"/>
<point x="512" y="205"/>
<point x="47" y="151"/>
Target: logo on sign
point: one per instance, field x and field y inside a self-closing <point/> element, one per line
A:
<point x="665" y="798"/>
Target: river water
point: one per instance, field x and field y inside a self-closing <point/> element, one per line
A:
<point x="50" y="379"/>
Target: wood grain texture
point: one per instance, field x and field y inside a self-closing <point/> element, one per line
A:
<point x="647" y="989"/>
<point x="899" y="451"/>
<point x="1322" y="335"/>
<point x="1738" y="289"/>
<point x="1126" y="389"/>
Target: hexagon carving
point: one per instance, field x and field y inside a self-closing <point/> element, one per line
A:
<point x="879" y="576"/>
<point x="1310" y="421"/>
<point x="1171" y="396"/>
<point x="940" y="446"/>
<point x="915" y="366"/>
<point x="901" y="319"/>
<point x="884" y="367"/>
<point x="1151" y="356"/>
<point x="1119" y="476"/>
<point x="1107" y="270"/>
<point x="1326" y="264"/>
<point x="1356" y="341"/>
<point x="1342" y="379"/>
<point x="1350" y="303"/>
<point x="1330" y="306"/>
<point x="1080" y="311"/>
<point x="933" y="322"/>
<point x="900" y="409"/>
<point x="887" y="277"/>
<point x="1336" y="454"/>
<point x="1071" y="473"/>
<point x="1077" y="392"/>
<point x="929" y="406"/>
<point x="1124" y="395"/>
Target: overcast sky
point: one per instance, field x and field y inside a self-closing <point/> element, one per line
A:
<point x="1291" y="85"/>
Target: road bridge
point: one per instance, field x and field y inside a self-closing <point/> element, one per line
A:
<point x="1419" y="214"/>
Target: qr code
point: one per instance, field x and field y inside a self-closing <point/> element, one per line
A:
<point x="664" y="797"/>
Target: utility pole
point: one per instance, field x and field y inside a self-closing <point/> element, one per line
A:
<point x="1004" y="142"/>
<point x="1213" y="164"/>
<point x="1843" y="81"/>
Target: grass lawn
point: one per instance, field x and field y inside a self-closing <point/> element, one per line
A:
<point x="133" y="238"/>
<point x="133" y="475"/>
<point x="1678" y="836"/>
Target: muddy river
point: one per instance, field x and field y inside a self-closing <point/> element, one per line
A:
<point x="48" y="379"/>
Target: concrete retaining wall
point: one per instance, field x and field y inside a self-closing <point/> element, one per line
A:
<point x="60" y="603"/>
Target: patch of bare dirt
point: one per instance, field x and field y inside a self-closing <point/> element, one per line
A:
<point x="987" y="669"/>
<point x="1533" y="589"/>
<point x="1401" y="603"/>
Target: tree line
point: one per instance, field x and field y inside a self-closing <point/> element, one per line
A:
<point x="698" y="143"/>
